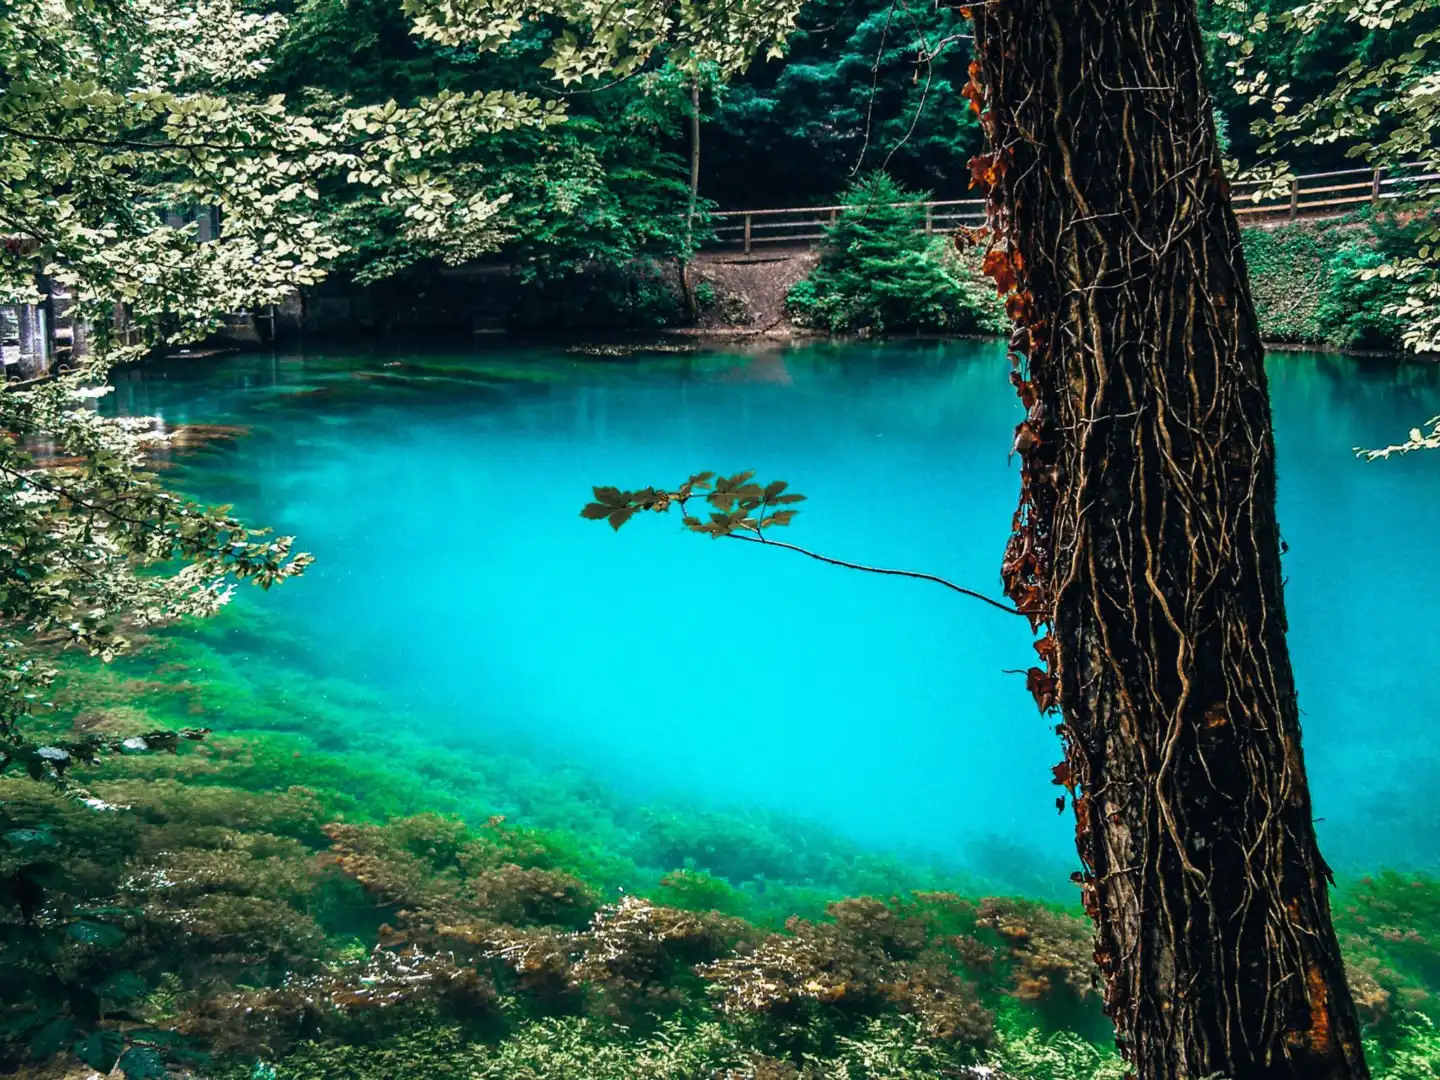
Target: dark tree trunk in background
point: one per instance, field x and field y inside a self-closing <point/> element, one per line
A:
<point x="1147" y="542"/>
<point x="687" y="287"/>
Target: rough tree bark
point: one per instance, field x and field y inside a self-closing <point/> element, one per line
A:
<point x="1146" y="543"/>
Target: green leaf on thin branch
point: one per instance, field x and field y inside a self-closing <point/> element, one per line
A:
<point x="742" y="510"/>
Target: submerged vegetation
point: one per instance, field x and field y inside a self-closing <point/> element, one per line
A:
<point x="309" y="893"/>
<point x="269" y="896"/>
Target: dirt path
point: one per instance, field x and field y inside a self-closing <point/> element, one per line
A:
<point x="750" y="289"/>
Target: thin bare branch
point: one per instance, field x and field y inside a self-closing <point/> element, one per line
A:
<point x="877" y="570"/>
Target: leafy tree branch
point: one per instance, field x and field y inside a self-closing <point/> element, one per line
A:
<point x="741" y="509"/>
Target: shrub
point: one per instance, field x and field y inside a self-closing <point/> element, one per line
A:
<point x="1307" y="283"/>
<point x="879" y="274"/>
<point x="1352" y="309"/>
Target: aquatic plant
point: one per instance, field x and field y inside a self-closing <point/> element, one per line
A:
<point x="390" y="993"/>
<point x="1412" y="1053"/>
<point x="1050" y="954"/>
<point x="634" y="962"/>
<point x="565" y="1048"/>
<point x="1024" y="1051"/>
<point x="260" y="897"/>
<point x="896" y="1049"/>
<point x="696" y="890"/>
<point x="531" y="897"/>
<point x="560" y="1048"/>
<point x="720" y="844"/>
<point x="1389" y="926"/>
<point x="872" y="958"/>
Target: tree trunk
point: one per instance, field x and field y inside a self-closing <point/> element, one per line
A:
<point x="1147" y="543"/>
<point x="686" y="285"/>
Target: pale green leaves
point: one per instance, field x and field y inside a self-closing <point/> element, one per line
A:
<point x="123" y="114"/>
<point x="606" y="40"/>
<point x="78" y="532"/>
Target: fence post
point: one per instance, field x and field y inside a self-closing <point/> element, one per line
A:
<point x="1375" y="187"/>
<point x="1294" y="198"/>
<point x="929" y="220"/>
<point x="747" y="234"/>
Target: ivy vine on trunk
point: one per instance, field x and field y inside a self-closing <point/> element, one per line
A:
<point x="1146" y="543"/>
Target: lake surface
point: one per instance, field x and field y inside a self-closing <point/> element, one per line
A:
<point x="455" y="580"/>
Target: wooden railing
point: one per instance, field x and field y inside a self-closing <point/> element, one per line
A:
<point x="1330" y="194"/>
<point x="806" y="224"/>
<point x="1324" y="194"/>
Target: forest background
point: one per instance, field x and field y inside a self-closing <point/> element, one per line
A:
<point x="600" y="208"/>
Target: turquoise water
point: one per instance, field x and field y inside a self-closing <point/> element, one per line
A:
<point x="454" y="577"/>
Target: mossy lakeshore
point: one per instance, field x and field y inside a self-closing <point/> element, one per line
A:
<point x="341" y="882"/>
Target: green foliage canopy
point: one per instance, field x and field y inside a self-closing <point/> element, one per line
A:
<point x="601" y="188"/>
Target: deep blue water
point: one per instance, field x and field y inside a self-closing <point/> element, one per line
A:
<point x="455" y="577"/>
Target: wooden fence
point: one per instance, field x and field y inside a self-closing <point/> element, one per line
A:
<point x="1324" y="194"/>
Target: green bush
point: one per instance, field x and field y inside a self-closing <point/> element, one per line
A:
<point x="878" y="273"/>
<point x="1306" y="279"/>
<point x="1352" y="309"/>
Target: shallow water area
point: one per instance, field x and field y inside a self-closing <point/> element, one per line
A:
<point x="456" y="583"/>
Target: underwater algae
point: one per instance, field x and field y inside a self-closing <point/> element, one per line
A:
<point x="263" y="899"/>
<point x="317" y="892"/>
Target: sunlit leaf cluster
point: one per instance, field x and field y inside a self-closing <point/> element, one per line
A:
<point x="93" y="549"/>
<point x="1427" y="438"/>
<point x="119" y="122"/>
<point x="121" y="114"/>
<point x="605" y="40"/>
